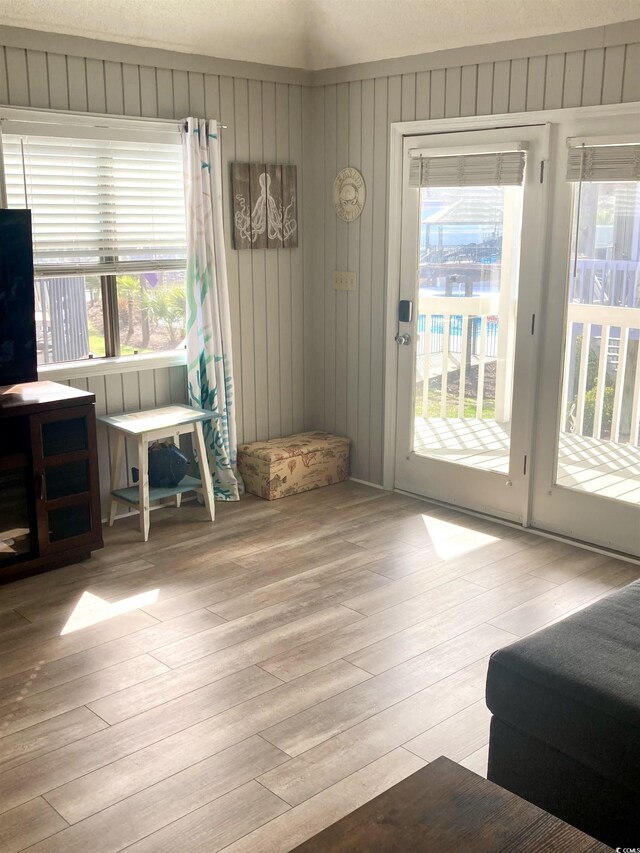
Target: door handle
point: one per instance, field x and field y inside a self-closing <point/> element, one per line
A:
<point x="403" y="340"/>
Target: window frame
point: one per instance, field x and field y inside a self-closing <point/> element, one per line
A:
<point x="72" y="125"/>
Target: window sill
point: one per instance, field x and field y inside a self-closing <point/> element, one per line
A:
<point x="105" y="366"/>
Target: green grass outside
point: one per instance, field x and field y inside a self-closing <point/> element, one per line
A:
<point x="433" y="408"/>
<point x="97" y="348"/>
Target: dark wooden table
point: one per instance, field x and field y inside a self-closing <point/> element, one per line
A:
<point x="444" y="808"/>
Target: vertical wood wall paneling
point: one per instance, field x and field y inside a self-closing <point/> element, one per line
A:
<point x="537" y="69"/>
<point x="272" y="294"/>
<point x="383" y="89"/>
<point x="77" y="83"/>
<point x="631" y="84"/>
<point x="180" y="94"/>
<point x="17" y="76"/>
<point x="298" y="124"/>
<point x="595" y="76"/>
<point x="452" y="92"/>
<point x="330" y="243"/>
<point x="353" y="263"/>
<point x="148" y="91"/>
<point x="554" y="81"/>
<point x="219" y="101"/>
<point x="130" y="397"/>
<point x="114" y="402"/>
<point x="573" y="77"/>
<point x="196" y="97"/>
<point x="592" y="77"/>
<point x="501" y="86"/>
<point x="341" y="263"/>
<point x="360" y="448"/>
<point x="247" y="383"/>
<point x="438" y="86"/>
<point x="468" y="90"/>
<point x="317" y="223"/>
<point x="4" y="82"/>
<point x="58" y="88"/>
<point x="518" y="86"/>
<point x="322" y="366"/>
<point x="96" y="91"/>
<point x="114" y="87"/>
<point x="258" y="267"/>
<point x="613" y="82"/>
<point x="378" y="305"/>
<point x="164" y="84"/>
<point x="131" y="95"/>
<point x="283" y="343"/>
<point x="266" y="289"/>
<point x="408" y="109"/>
<point x="423" y="94"/>
<point x="38" y="78"/>
<point x="484" y="93"/>
<point x="96" y="385"/>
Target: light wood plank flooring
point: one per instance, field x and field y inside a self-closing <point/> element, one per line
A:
<point x="240" y="686"/>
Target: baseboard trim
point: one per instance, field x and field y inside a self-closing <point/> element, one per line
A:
<point x="367" y="483"/>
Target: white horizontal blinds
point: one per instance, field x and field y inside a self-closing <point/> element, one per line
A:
<point x="604" y="163"/>
<point x="495" y="169"/>
<point x="99" y="205"/>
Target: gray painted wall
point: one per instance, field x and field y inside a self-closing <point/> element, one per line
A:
<point x="305" y="355"/>
<point x="351" y="123"/>
<point x="265" y="123"/>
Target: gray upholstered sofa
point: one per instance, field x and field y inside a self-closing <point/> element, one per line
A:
<point x="565" y="732"/>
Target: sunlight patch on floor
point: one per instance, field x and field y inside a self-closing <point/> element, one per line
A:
<point x="451" y="540"/>
<point x="91" y="609"/>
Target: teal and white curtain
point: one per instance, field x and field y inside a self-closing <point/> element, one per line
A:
<point x="208" y="319"/>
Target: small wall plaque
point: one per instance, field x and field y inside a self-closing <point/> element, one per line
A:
<point x="265" y="206"/>
<point x="349" y="194"/>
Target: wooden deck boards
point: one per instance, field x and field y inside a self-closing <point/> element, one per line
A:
<point x="587" y="464"/>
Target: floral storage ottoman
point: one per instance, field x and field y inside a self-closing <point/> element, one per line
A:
<point x="298" y="463"/>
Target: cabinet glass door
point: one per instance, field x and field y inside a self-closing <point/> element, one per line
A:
<point x="63" y="478"/>
<point x="15" y="520"/>
<point x="17" y="526"/>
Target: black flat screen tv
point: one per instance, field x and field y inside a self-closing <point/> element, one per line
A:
<point x="18" y="355"/>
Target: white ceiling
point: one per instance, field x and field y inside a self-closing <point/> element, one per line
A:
<point x="312" y="34"/>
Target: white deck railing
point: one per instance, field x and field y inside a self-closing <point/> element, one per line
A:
<point x="605" y="332"/>
<point x="604" y="282"/>
<point x="443" y="358"/>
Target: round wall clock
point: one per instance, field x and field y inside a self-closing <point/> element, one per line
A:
<point x="349" y="194"/>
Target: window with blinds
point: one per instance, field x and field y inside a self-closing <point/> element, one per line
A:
<point x="109" y="239"/>
<point x="495" y="169"/>
<point x="99" y="205"/>
<point x="594" y="163"/>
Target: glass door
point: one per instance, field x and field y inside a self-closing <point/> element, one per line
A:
<point x="466" y="353"/>
<point x="587" y="481"/>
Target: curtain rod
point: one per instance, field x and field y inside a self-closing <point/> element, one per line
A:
<point x="220" y="126"/>
<point x="29" y="115"/>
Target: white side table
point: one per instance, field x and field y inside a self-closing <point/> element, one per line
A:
<point x="151" y="425"/>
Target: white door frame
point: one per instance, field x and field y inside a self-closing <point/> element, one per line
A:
<point x="458" y="484"/>
<point x="398" y="131"/>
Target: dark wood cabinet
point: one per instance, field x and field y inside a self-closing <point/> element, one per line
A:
<point x="49" y="489"/>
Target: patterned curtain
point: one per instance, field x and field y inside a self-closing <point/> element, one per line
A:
<point x="208" y="320"/>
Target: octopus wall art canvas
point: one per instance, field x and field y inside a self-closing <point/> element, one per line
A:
<point x="265" y="212"/>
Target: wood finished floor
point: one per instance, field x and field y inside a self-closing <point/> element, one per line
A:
<point x="257" y="679"/>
